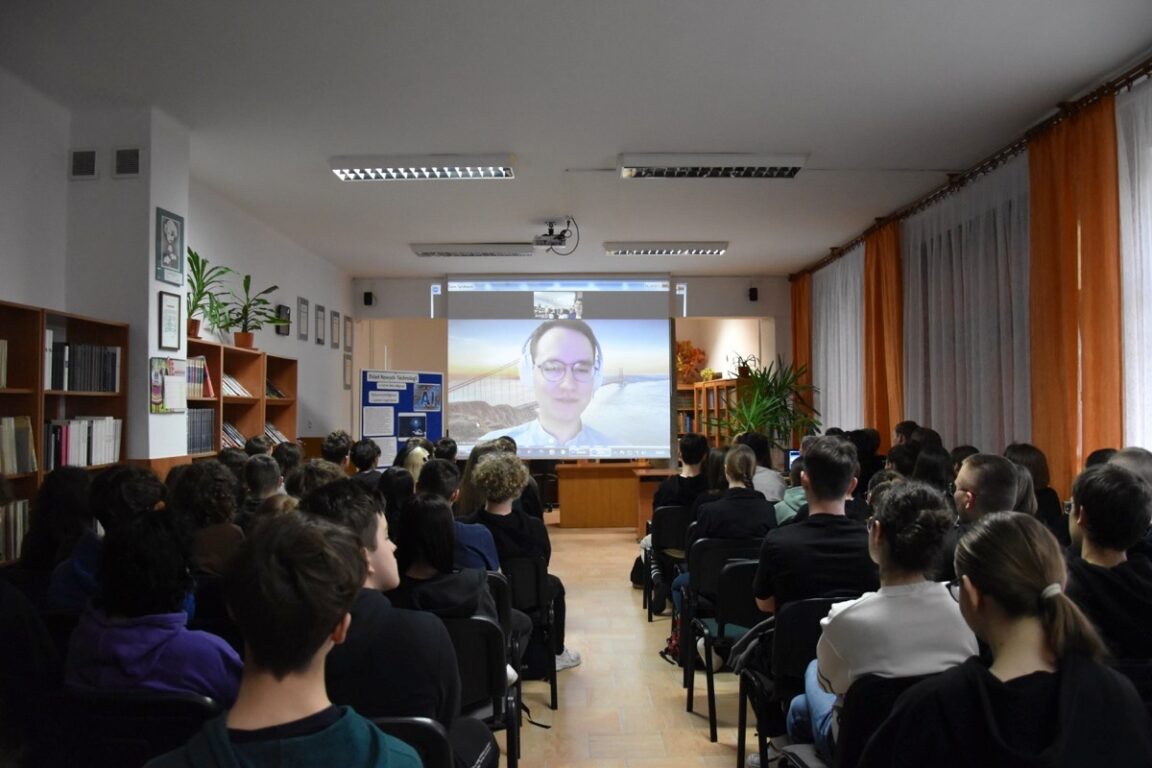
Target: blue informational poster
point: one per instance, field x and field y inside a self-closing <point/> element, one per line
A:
<point x="397" y="405"/>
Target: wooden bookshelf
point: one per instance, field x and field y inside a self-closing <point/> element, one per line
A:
<point x="711" y="400"/>
<point x="213" y="354"/>
<point x="686" y="420"/>
<point x="245" y="412"/>
<point x="22" y="328"/>
<point x="280" y="412"/>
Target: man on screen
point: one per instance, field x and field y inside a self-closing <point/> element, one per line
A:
<point x="562" y="361"/>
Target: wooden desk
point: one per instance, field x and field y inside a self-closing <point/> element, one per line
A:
<point x="647" y="481"/>
<point x="598" y="495"/>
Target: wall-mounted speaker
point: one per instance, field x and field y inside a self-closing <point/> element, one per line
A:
<point x="369" y="298"/>
<point x="753" y="294"/>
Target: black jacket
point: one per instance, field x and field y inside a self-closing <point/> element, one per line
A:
<point x="460" y="594"/>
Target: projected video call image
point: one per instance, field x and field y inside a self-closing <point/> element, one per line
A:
<point x="561" y="386"/>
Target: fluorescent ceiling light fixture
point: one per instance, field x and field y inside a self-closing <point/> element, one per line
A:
<point x="473" y="250"/>
<point x="666" y="249"/>
<point x="423" y="167"/>
<point x="722" y="166"/>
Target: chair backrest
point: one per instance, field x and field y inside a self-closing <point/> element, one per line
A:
<point x="1139" y="671"/>
<point x="735" y="603"/>
<point x="707" y="559"/>
<point x="528" y="578"/>
<point x="424" y="735"/>
<point x="480" y="654"/>
<point x="129" y="728"/>
<point x="794" y="641"/>
<point x="867" y="704"/>
<point x="502" y="596"/>
<point x="670" y="527"/>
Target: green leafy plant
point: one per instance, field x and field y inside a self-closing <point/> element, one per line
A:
<point x="774" y="401"/>
<point x="249" y="311"/>
<point x="205" y="289"/>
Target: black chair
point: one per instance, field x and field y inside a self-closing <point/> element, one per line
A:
<point x="129" y="728"/>
<point x="424" y="735"/>
<point x="481" y="654"/>
<point x="867" y="704"/>
<point x="669" y="534"/>
<point x="502" y="595"/>
<point x="796" y="630"/>
<point x="528" y="578"/>
<point x="706" y="561"/>
<point x="735" y="614"/>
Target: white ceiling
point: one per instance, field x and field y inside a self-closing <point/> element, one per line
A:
<point x="885" y="96"/>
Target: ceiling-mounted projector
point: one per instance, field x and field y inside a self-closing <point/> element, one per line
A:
<point x="552" y="238"/>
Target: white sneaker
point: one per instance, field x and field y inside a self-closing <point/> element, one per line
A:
<point x="753" y="760"/>
<point x="567" y="659"/>
<point x="511" y="674"/>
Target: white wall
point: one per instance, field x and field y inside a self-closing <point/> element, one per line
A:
<point x="721" y="338"/>
<point x="728" y="297"/>
<point x="224" y="234"/>
<point x="33" y="195"/>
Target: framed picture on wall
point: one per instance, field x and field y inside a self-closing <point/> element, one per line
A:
<point x="301" y="318"/>
<point x="321" y="320"/>
<point x="347" y="334"/>
<point x="335" y="335"/>
<point x="169" y="247"/>
<point x="284" y="312"/>
<point x="347" y="371"/>
<point x="169" y="320"/>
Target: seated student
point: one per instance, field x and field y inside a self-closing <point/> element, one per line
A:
<point x="683" y="489"/>
<point x="867" y="443"/>
<point x="393" y="662"/>
<point x="364" y="455"/>
<point x="1111" y="509"/>
<point x="826" y="552"/>
<point x="263" y="479"/>
<point x="958" y="454"/>
<point x="1045" y="699"/>
<point x="288" y="456"/>
<point x="134" y="635"/>
<point x="794" y="497"/>
<point x="258" y="445"/>
<point x="311" y="475"/>
<point x="335" y="448"/>
<point x="716" y="482"/>
<point x="530" y="502"/>
<point x="500" y="477"/>
<point x="902" y="458"/>
<point x="445" y="449"/>
<point x="1025" y="492"/>
<point x="205" y="497"/>
<point x="395" y="487"/>
<point x="474" y="546"/>
<point x="411" y="458"/>
<point x="1049" y="509"/>
<point x="934" y="467"/>
<point x="741" y="513"/>
<point x="235" y="459"/>
<point x="909" y="627"/>
<point x="766" y="480"/>
<point x="290" y="590"/>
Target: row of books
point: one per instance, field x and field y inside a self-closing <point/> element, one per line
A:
<point x="271" y="390"/>
<point x="13" y="524"/>
<point x="80" y="367"/>
<point x="199" y="381"/>
<point x="17" y="448"/>
<point x="3" y="363"/>
<point x="202" y="430"/>
<point x="232" y="387"/>
<point x="84" y="441"/>
<point x="273" y="434"/>
<point x="232" y="437"/>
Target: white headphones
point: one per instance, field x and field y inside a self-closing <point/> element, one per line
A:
<point x="527" y="364"/>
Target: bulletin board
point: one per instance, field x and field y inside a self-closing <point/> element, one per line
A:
<point x="397" y="405"/>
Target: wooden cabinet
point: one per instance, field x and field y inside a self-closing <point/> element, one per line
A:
<point x="711" y="401"/>
<point x="280" y="395"/>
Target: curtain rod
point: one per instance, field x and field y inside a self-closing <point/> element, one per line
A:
<point x="957" y="181"/>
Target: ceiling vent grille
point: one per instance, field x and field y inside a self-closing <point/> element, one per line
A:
<point x="127" y="163"/>
<point x="82" y="164"/>
<point x="710" y="166"/>
<point x="473" y="250"/>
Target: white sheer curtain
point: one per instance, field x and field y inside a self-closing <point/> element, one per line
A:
<point x="1134" y="161"/>
<point x="966" y="327"/>
<point x="838" y="340"/>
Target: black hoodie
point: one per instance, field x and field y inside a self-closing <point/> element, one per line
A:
<point x="1118" y="601"/>
<point x="1084" y="714"/>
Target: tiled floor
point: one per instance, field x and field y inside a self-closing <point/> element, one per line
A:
<point x="623" y="707"/>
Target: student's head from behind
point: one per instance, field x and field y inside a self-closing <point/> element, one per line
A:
<point x="909" y="522"/>
<point x="365" y="454"/>
<point x="1031" y="458"/>
<point x="761" y="447"/>
<point x="500" y="476"/>
<point x="290" y="587"/>
<point x="881" y="483"/>
<point x="234" y="459"/>
<point x="439" y="477"/>
<point x="262" y="476"/>
<point x="902" y="432"/>
<point x="740" y="465"/>
<point x="205" y="494"/>
<point x="426" y="533"/>
<point x="61" y="517"/>
<point x="1025" y="492"/>
<point x="693" y="448"/>
<point x="829" y="469"/>
<point x="1135" y="460"/>
<point x="902" y="458"/>
<point x="563" y="360"/>
<point x="288" y="456"/>
<point x="1009" y="567"/>
<point x="795" y="470"/>
<point x="985" y="483"/>
<point x="445" y="449"/>
<point x="121" y="492"/>
<point x="1111" y="507"/>
<point x="311" y="475"/>
<point x="1099" y="456"/>
<point x="714" y="468"/>
<point x="414" y="460"/>
<point x="926" y="436"/>
<point x="958" y="454"/>
<point x="395" y="487"/>
<point x="145" y="568"/>
<point x="259" y="445"/>
<point x="933" y="466"/>
<point x="336" y="446"/>
<point x="345" y="503"/>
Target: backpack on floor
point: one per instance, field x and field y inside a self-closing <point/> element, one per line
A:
<point x="637" y="575"/>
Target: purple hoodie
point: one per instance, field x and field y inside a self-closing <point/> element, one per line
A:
<point x="156" y="652"/>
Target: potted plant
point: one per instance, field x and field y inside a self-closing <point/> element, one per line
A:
<point x="249" y="312"/>
<point x="774" y="401"/>
<point x="204" y="292"/>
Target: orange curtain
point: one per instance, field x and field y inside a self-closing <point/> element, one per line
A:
<point x="802" y="330"/>
<point x="1077" y="382"/>
<point x="883" y="332"/>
